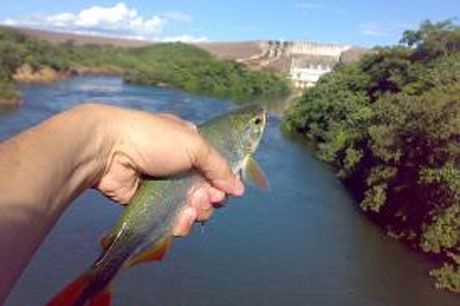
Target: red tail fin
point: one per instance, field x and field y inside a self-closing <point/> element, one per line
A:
<point x="70" y="294"/>
<point x="102" y="299"/>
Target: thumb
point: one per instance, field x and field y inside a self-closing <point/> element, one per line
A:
<point x="215" y="168"/>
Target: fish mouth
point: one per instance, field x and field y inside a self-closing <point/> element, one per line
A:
<point x="259" y="110"/>
<point x="253" y="108"/>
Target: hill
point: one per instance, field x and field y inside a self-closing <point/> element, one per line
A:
<point x="24" y="58"/>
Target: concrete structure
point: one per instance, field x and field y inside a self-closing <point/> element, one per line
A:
<point x="313" y="48"/>
<point x="308" y="60"/>
<point x="305" y="71"/>
<point x="278" y="48"/>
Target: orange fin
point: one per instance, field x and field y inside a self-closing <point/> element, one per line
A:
<point x="154" y="253"/>
<point x="253" y="172"/>
<point x="104" y="298"/>
<point x="106" y="241"/>
<point x="70" y="294"/>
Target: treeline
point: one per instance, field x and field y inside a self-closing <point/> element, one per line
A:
<point x="171" y="64"/>
<point x="195" y="70"/>
<point x="390" y="124"/>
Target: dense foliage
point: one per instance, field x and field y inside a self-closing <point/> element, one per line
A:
<point x="197" y="71"/>
<point x="171" y="64"/>
<point x="390" y="123"/>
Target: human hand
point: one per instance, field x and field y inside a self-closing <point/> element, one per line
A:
<point x="161" y="145"/>
<point x="99" y="146"/>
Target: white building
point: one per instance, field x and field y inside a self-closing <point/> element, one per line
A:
<point x="305" y="71"/>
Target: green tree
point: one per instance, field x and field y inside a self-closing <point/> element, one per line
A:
<point x="390" y="124"/>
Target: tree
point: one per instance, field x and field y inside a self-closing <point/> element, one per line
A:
<point x="390" y="124"/>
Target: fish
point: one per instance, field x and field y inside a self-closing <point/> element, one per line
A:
<point x="143" y="233"/>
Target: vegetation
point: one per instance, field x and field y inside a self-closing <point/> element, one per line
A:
<point x="390" y="124"/>
<point x="196" y="70"/>
<point x="172" y="64"/>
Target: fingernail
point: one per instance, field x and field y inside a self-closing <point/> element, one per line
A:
<point x="217" y="196"/>
<point x="233" y="186"/>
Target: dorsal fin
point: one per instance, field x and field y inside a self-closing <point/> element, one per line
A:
<point x="154" y="253"/>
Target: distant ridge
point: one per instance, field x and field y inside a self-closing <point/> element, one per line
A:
<point x="79" y="39"/>
<point x="276" y="56"/>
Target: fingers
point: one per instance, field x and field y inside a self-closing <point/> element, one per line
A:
<point x="162" y="145"/>
<point x="201" y="207"/>
<point x="215" y="168"/>
<point x="184" y="222"/>
<point x="216" y="196"/>
<point x="200" y="201"/>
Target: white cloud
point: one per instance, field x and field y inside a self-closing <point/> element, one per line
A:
<point x="9" y="22"/>
<point x="118" y="20"/>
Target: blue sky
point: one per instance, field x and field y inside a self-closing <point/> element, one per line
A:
<point x="359" y="22"/>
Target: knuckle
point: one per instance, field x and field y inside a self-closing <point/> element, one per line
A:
<point x="169" y="116"/>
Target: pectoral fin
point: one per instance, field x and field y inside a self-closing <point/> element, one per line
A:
<point x="154" y="253"/>
<point x="106" y="241"/>
<point x="253" y="172"/>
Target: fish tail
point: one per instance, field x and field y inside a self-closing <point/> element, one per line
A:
<point x="71" y="294"/>
<point x="84" y="290"/>
<point x="104" y="298"/>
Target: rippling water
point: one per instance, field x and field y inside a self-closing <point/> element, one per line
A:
<point x="305" y="243"/>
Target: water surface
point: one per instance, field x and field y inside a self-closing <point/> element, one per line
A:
<point x="305" y="243"/>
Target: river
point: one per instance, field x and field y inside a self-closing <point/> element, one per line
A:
<point x="304" y="243"/>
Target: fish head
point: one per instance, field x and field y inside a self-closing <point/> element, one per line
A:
<point x="236" y="134"/>
<point x="248" y="124"/>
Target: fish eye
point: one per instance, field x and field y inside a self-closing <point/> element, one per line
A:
<point x="258" y="121"/>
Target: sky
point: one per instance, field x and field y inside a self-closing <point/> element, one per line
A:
<point x="354" y="22"/>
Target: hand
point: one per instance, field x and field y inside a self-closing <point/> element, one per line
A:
<point x="160" y="145"/>
<point x="96" y="146"/>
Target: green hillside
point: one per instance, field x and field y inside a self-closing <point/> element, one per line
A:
<point x="171" y="64"/>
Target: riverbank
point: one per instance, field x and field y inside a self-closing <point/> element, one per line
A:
<point x="8" y="96"/>
<point x="178" y="65"/>
<point x="390" y="124"/>
<point x="43" y="74"/>
<point x="26" y="74"/>
<point x="10" y="102"/>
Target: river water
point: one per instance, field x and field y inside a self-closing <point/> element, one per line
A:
<point x="304" y="243"/>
